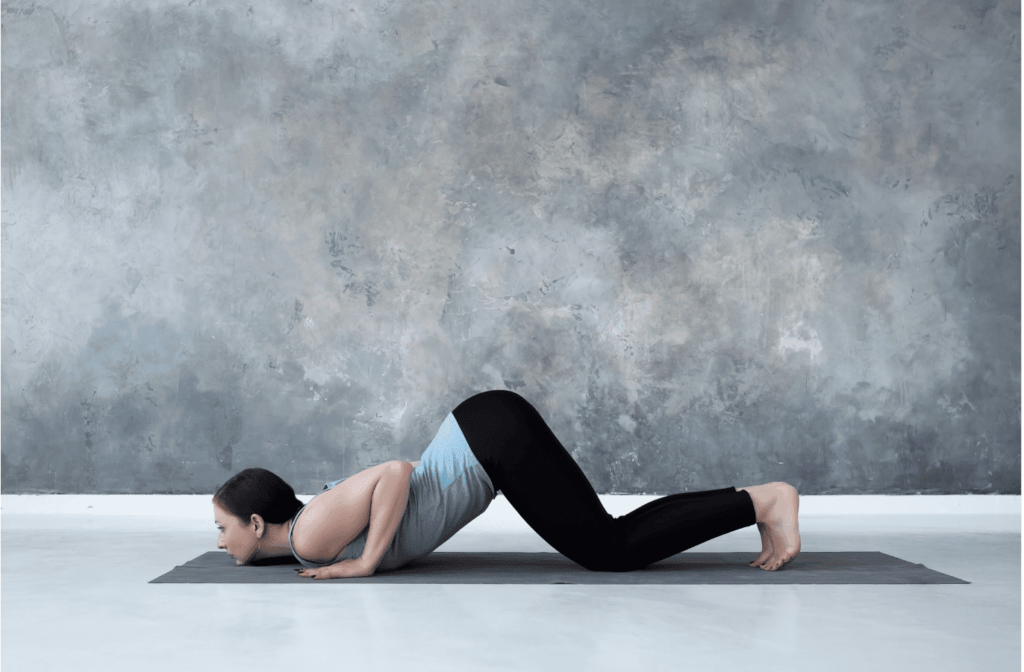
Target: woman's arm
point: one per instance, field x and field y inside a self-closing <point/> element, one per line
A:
<point x="376" y="496"/>
<point x="386" y="510"/>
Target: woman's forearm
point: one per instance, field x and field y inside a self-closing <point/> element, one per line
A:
<point x="387" y="506"/>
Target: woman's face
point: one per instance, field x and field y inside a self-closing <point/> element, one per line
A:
<point x="236" y="538"/>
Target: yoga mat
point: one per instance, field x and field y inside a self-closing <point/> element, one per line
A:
<point x="841" y="567"/>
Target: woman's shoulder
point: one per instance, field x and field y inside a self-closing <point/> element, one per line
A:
<point x="331" y="484"/>
<point x="336" y="516"/>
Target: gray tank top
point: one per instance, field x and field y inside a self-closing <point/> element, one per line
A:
<point x="447" y="489"/>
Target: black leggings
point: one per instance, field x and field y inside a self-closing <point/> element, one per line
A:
<point x="545" y="485"/>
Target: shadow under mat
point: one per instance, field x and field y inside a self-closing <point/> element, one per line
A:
<point x="840" y="567"/>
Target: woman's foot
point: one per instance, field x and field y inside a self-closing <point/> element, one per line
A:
<point x="766" y="546"/>
<point x="777" y="507"/>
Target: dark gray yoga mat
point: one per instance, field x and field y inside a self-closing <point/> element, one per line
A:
<point x="841" y="567"/>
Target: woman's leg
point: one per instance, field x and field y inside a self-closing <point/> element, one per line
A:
<point x="545" y="485"/>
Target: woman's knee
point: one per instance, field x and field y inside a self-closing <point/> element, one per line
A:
<point x="605" y="560"/>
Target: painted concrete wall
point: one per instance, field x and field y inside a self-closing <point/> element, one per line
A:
<point x="714" y="242"/>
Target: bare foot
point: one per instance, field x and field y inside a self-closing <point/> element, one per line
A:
<point x="777" y="506"/>
<point x="766" y="546"/>
<point x="784" y="526"/>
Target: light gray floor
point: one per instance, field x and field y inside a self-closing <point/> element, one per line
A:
<point x="75" y="597"/>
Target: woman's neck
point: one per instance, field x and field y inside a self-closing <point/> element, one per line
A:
<point x="274" y="543"/>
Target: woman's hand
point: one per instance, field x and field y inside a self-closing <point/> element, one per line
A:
<point x="346" y="569"/>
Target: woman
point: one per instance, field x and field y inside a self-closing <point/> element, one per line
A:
<point x="396" y="512"/>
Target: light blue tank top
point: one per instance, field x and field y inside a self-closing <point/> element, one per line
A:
<point x="447" y="489"/>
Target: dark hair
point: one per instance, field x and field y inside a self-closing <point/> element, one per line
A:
<point x="261" y="492"/>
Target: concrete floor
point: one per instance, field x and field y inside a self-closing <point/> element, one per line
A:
<point x="75" y="596"/>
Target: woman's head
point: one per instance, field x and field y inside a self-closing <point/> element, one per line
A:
<point x="248" y="502"/>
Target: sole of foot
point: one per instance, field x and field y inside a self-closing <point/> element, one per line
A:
<point x="783" y="526"/>
<point x="766" y="546"/>
<point x="777" y="506"/>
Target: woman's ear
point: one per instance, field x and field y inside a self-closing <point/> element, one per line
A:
<point x="257" y="525"/>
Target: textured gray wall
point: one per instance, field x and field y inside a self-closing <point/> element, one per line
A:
<point x="713" y="242"/>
